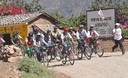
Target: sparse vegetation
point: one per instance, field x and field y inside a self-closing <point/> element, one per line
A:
<point x="70" y="22"/>
<point x="33" y="69"/>
<point x="125" y="32"/>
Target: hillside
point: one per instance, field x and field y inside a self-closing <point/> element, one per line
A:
<point x="66" y="7"/>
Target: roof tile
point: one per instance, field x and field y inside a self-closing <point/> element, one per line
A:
<point x="17" y="19"/>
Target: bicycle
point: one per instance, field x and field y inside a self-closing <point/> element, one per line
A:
<point x="29" y="51"/>
<point x="68" y="54"/>
<point x="43" y="56"/>
<point x="57" y="49"/>
<point x="84" y="49"/>
<point x="22" y="47"/>
<point x="98" y="48"/>
<point x="75" y="45"/>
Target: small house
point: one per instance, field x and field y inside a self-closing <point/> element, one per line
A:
<point x="22" y="23"/>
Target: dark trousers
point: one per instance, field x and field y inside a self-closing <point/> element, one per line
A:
<point x="92" y="41"/>
<point x="118" y="42"/>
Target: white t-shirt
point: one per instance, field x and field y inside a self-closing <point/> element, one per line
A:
<point x="117" y="34"/>
<point x="64" y="36"/>
<point x="83" y="33"/>
<point x="93" y="34"/>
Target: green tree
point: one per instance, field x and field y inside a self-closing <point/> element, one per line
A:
<point x="69" y="22"/>
<point x="57" y="15"/>
<point x="121" y="8"/>
<point x="34" y="6"/>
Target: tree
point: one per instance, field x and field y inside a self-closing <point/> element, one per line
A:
<point x="57" y="15"/>
<point x="11" y="7"/>
<point x="69" y="22"/>
<point x="34" y="6"/>
<point x="120" y="6"/>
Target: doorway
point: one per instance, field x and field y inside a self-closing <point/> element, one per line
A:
<point x="7" y="39"/>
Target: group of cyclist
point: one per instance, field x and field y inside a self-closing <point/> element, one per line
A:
<point x="39" y="40"/>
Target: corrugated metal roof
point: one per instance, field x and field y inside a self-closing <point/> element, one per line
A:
<point x="18" y="19"/>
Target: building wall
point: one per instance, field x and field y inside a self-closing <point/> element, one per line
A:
<point x="20" y="28"/>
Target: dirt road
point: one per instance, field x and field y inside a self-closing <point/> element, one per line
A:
<point x="112" y="65"/>
<point x="9" y="69"/>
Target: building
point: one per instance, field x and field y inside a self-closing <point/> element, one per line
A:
<point x="23" y="24"/>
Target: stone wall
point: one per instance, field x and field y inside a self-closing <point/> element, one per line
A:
<point x="108" y="44"/>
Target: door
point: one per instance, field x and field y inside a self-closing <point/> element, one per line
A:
<point x="7" y="39"/>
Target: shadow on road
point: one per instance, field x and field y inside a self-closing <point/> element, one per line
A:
<point x="113" y="55"/>
<point x="58" y="65"/>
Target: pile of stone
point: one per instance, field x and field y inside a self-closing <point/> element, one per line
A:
<point x="12" y="51"/>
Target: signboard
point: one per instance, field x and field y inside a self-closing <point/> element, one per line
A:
<point x="8" y="30"/>
<point x="103" y="27"/>
<point x="2" y="30"/>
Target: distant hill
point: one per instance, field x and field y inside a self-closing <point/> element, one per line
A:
<point x="66" y="7"/>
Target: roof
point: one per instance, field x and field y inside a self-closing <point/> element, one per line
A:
<point x="21" y="18"/>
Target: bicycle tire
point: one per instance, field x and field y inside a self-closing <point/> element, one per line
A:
<point x="99" y="50"/>
<point x="75" y="45"/>
<point x="23" y="50"/>
<point x="88" y="52"/>
<point x="52" y="54"/>
<point x="71" y="57"/>
<point x="29" y="53"/>
<point x="34" y="55"/>
<point x="79" y="53"/>
<point x="64" y="60"/>
<point x="44" y="59"/>
<point x="58" y="54"/>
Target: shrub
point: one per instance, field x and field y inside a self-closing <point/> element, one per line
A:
<point x="33" y="69"/>
<point x="125" y="32"/>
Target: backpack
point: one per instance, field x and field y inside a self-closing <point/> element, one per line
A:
<point x="30" y="41"/>
<point x="66" y="37"/>
<point x="81" y="35"/>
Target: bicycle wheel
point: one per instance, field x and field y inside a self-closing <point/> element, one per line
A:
<point x="58" y="54"/>
<point x="34" y="54"/>
<point x="71" y="57"/>
<point x="64" y="60"/>
<point x="23" y="50"/>
<point x="44" y="59"/>
<point x="79" y="53"/>
<point x="75" y="45"/>
<point x="88" y="52"/>
<point x="99" y="50"/>
<point x="29" y="51"/>
<point x="52" y="54"/>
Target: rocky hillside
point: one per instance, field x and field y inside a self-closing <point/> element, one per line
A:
<point x="67" y="7"/>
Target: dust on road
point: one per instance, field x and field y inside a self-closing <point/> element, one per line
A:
<point x="111" y="65"/>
